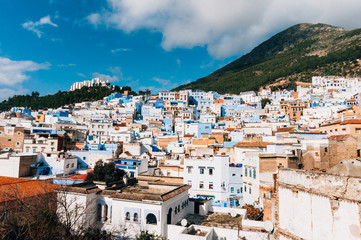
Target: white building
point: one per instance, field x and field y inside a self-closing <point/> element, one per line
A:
<point x="88" y="83"/>
<point x="214" y="178"/>
<point x="148" y="206"/>
<point x="332" y="82"/>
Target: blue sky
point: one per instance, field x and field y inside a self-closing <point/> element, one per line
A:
<point x="46" y="45"/>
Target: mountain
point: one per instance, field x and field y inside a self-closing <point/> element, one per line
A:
<point x="288" y="58"/>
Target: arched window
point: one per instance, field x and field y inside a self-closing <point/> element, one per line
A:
<point x="127" y="216"/>
<point x="135" y="217"/>
<point x="151" y="219"/>
<point x="99" y="212"/>
<point x="105" y="213"/>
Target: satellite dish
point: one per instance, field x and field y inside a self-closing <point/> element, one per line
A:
<point x="184" y="222"/>
<point x="234" y="214"/>
<point x="268" y="226"/>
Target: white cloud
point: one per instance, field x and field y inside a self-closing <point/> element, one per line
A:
<point x="226" y="28"/>
<point x="118" y="50"/>
<point x="94" y="19"/>
<point x="115" y="76"/>
<point x="105" y="77"/>
<point x="13" y="73"/>
<point x="5" y="93"/>
<point x="67" y="65"/>
<point x="36" y="26"/>
<point x="81" y="75"/>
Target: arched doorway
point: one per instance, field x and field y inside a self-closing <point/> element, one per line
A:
<point x="169" y="216"/>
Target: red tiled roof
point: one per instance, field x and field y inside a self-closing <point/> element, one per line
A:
<point x="253" y="144"/>
<point x="339" y="137"/>
<point x="285" y="129"/>
<point x="350" y="121"/>
<point x="128" y="153"/>
<point x="78" y="177"/>
<point x="19" y="188"/>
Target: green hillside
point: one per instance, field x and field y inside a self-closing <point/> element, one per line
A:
<point x="35" y="102"/>
<point x="289" y="57"/>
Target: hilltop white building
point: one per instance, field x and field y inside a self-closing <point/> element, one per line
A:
<point x="88" y="83"/>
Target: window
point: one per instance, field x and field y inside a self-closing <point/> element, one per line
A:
<point x="67" y="166"/>
<point x="27" y="149"/>
<point x="9" y="140"/>
<point x="99" y="212"/>
<point x="127" y="216"/>
<point x="201" y="170"/>
<point x="233" y="174"/>
<point x="34" y="149"/>
<point x="232" y="189"/>
<point x="239" y="190"/>
<point x="18" y="144"/>
<point x="151" y="219"/>
<point x="326" y="149"/>
<point x="245" y="188"/>
<point x="189" y="169"/>
<point x="72" y="165"/>
<point x="201" y="185"/>
<point x="84" y="158"/>
<point x="105" y="213"/>
<point x="189" y="182"/>
<point x="254" y="173"/>
<point x="19" y="133"/>
<point x="210" y="185"/>
<point x="1" y="133"/>
<point x="210" y="171"/>
<point x="52" y="143"/>
<point x="250" y="190"/>
<point x="245" y="172"/>
<point x="135" y="217"/>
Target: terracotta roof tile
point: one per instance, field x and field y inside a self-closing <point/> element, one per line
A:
<point x="13" y="188"/>
<point x="285" y="129"/>
<point x="339" y="137"/>
<point x="253" y="144"/>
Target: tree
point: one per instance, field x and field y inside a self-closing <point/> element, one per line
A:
<point x="253" y="213"/>
<point x="147" y="91"/>
<point x="145" y="235"/>
<point x="105" y="172"/>
<point x="265" y="101"/>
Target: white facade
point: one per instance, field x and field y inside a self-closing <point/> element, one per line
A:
<point x="214" y="178"/>
<point x="318" y="206"/>
<point x="89" y="83"/>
